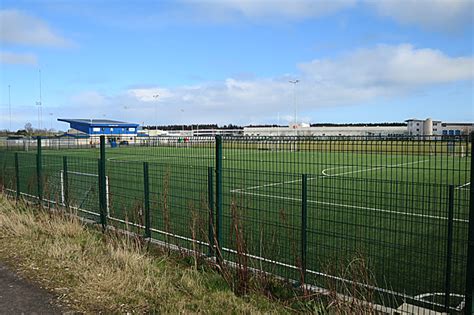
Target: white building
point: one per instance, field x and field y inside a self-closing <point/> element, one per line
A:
<point x="415" y="127"/>
<point x="429" y="127"/>
<point x="330" y="130"/>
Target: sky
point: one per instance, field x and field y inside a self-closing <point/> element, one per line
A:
<point x="231" y="61"/>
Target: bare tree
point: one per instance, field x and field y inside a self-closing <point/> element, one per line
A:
<point x="28" y="127"/>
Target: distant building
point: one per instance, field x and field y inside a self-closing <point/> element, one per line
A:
<point x="329" y="130"/>
<point x="112" y="129"/>
<point x="429" y="127"/>
<point x="413" y="127"/>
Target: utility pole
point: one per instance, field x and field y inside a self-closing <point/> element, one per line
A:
<point x="278" y="128"/>
<point x="39" y="104"/>
<point x="294" y="82"/>
<point x="51" y="121"/>
<point x="182" y="114"/>
<point x="10" y="108"/>
<point x="156" y="110"/>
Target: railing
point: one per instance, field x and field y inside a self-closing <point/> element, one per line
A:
<point x="301" y="208"/>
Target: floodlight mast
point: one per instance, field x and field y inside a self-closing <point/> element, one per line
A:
<point x="156" y="110"/>
<point x="39" y="103"/>
<point x="278" y="128"/>
<point x="294" y="82"/>
<point x="10" y="108"/>
<point x="51" y="122"/>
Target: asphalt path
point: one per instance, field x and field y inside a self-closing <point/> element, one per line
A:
<point x="21" y="296"/>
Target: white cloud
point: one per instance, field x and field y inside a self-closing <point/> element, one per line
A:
<point x="356" y="78"/>
<point x="150" y="94"/>
<point x="446" y="15"/>
<point x="18" y="58"/>
<point x="391" y="67"/>
<point x="89" y="99"/>
<point x="262" y="9"/>
<point x="438" y="15"/>
<point x="17" y="27"/>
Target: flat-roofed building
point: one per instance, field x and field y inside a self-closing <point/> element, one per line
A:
<point x="329" y="130"/>
<point x="429" y="127"/>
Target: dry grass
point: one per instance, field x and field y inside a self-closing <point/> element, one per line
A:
<point x="96" y="273"/>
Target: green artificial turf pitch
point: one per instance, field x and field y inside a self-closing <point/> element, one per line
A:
<point x="389" y="207"/>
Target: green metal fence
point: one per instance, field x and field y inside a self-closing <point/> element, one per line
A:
<point x="306" y="209"/>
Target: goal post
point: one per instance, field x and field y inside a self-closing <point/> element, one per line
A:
<point x="83" y="187"/>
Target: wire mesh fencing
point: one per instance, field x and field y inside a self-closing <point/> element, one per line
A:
<point x="387" y="220"/>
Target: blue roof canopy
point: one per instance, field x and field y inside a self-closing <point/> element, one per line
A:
<point x="99" y="122"/>
<point x="102" y="126"/>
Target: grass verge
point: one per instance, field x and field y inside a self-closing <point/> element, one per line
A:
<point x="93" y="272"/>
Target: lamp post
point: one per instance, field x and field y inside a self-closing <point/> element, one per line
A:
<point x="295" y="126"/>
<point x="10" y="108"/>
<point x="40" y="103"/>
<point x="182" y="115"/>
<point x="294" y="82"/>
<point x="156" y="109"/>
<point x="51" y="122"/>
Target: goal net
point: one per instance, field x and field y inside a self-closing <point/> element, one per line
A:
<point x="81" y="191"/>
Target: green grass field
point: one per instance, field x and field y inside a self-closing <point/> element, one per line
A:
<point x="388" y="206"/>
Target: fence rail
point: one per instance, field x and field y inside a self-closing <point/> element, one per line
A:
<point x="302" y="208"/>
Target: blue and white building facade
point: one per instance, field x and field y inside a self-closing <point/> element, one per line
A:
<point x="429" y="127"/>
<point x="112" y="129"/>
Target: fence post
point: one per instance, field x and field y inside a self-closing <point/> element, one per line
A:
<point x="210" y="203"/>
<point x="65" y="182"/>
<point x="102" y="184"/>
<point x="218" y="223"/>
<point x="17" y="175"/>
<point x="39" y="173"/>
<point x="469" y="307"/>
<point x="467" y="146"/>
<point x="146" y="190"/>
<point x="449" y="247"/>
<point x="304" y="217"/>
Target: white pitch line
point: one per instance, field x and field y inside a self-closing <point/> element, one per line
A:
<point x="353" y="207"/>
<point x="418" y="297"/>
<point x="267" y="185"/>
<point x="70" y="164"/>
<point x="119" y="160"/>
<point x="462" y="186"/>
<point x="324" y="172"/>
<point x="333" y="168"/>
<point x="83" y="174"/>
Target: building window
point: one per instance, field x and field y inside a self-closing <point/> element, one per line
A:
<point x="417" y="124"/>
<point x="111" y="129"/>
<point x="95" y="129"/>
<point x="417" y="129"/>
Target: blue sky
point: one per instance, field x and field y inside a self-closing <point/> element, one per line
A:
<point x="230" y="61"/>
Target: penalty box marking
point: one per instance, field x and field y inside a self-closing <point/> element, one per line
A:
<point x="324" y="175"/>
<point x="324" y="172"/>
<point x="463" y="186"/>
<point x="245" y="192"/>
<point x="352" y="206"/>
<point x="69" y="163"/>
